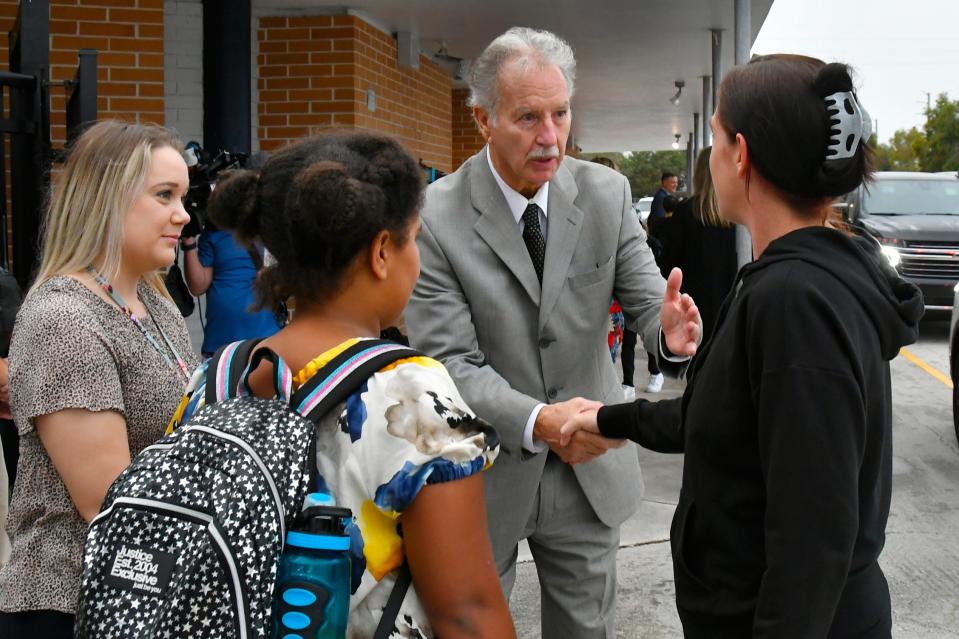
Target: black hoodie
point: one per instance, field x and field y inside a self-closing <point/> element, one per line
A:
<point x="786" y="425"/>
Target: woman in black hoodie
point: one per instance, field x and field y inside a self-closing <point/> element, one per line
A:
<point x="786" y="418"/>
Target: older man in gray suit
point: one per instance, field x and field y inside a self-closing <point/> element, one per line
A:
<point x="521" y="252"/>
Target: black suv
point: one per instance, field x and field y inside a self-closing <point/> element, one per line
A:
<point x="915" y="217"/>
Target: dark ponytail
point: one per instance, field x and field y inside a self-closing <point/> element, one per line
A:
<point x="316" y="205"/>
<point x="777" y="102"/>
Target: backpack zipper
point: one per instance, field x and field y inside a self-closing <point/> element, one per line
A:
<point x="160" y="446"/>
<point x="182" y="512"/>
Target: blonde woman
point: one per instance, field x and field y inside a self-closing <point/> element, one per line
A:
<point x="98" y="360"/>
<point x="702" y="244"/>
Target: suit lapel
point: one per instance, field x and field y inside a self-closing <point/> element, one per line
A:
<point x="565" y="221"/>
<point x="498" y="228"/>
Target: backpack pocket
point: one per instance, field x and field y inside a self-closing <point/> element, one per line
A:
<point x="132" y="562"/>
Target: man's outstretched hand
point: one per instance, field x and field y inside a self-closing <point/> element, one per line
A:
<point x="682" y="325"/>
<point x="581" y="447"/>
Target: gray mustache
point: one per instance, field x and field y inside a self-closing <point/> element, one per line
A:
<point x="543" y="153"/>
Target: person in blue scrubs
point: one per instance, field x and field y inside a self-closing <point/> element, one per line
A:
<point x="217" y="265"/>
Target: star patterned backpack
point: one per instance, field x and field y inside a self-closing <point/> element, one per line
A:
<point x="189" y="538"/>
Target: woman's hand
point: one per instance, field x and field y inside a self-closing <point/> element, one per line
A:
<point x="583" y="420"/>
<point x="4" y="390"/>
<point x="682" y="326"/>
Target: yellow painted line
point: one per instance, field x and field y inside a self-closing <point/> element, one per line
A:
<point x="926" y="367"/>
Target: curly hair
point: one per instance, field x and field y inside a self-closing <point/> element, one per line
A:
<point x="316" y="205"/>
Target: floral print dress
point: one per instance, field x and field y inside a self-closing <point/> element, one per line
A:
<point x="405" y="428"/>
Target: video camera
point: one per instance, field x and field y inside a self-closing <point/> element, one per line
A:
<point x="204" y="170"/>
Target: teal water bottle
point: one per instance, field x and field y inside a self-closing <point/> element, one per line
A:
<point x="312" y="599"/>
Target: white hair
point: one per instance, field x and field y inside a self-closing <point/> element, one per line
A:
<point x="529" y="47"/>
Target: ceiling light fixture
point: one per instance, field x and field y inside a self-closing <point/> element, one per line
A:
<point x="679" y="91"/>
<point x="676" y="137"/>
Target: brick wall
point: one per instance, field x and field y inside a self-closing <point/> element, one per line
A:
<point x="128" y="34"/>
<point x="466" y="139"/>
<point x="315" y="73"/>
<point x="183" y="68"/>
<point x="129" y="37"/>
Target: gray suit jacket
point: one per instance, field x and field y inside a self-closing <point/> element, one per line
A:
<point x="510" y="343"/>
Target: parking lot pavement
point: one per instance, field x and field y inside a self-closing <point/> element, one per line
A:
<point x="921" y="558"/>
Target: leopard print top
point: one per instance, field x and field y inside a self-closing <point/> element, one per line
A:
<point x="73" y="349"/>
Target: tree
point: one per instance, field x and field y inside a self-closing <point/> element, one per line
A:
<point x="644" y="168"/>
<point x="941" y="149"/>
<point x="902" y="152"/>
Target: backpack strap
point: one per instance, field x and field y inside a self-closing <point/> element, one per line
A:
<point x="225" y="371"/>
<point x="388" y="621"/>
<point x="282" y="374"/>
<point x="342" y="375"/>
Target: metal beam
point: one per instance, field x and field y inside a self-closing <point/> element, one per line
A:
<point x="82" y="103"/>
<point x="30" y="153"/>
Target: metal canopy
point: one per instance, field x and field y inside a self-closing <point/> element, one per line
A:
<point x="629" y="52"/>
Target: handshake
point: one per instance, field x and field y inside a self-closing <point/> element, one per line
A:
<point x="570" y="430"/>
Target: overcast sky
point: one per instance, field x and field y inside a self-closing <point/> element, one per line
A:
<point x="900" y="49"/>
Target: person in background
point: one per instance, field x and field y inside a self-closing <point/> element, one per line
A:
<point x="99" y="359"/>
<point x="217" y="265"/>
<point x="668" y="184"/>
<point x="620" y="334"/>
<point x="701" y="243"/>
<point x="656" y="223"/>
<point x="786" y="421"/>
<point x="339" y="214"/>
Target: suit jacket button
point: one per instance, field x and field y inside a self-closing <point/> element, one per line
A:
<point x="551" y="393"/>
<point x="543" y="343"/>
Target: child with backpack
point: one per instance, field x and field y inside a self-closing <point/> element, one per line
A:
<point x="338" y="214"/>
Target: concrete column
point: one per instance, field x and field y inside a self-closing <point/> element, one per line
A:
<point x="695" y="137"/>
<point x="227" y="75"/>
<point x="707" y="109"/>
<point x="717" y="40"/>
<point x="743" y="32"/>
<point x="689" y="163"/>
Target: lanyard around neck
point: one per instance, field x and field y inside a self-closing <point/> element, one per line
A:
<point x="109" y="290"/>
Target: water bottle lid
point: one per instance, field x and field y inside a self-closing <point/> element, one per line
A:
<point x="317" y="542"/>
<point x="318" y="499"/>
